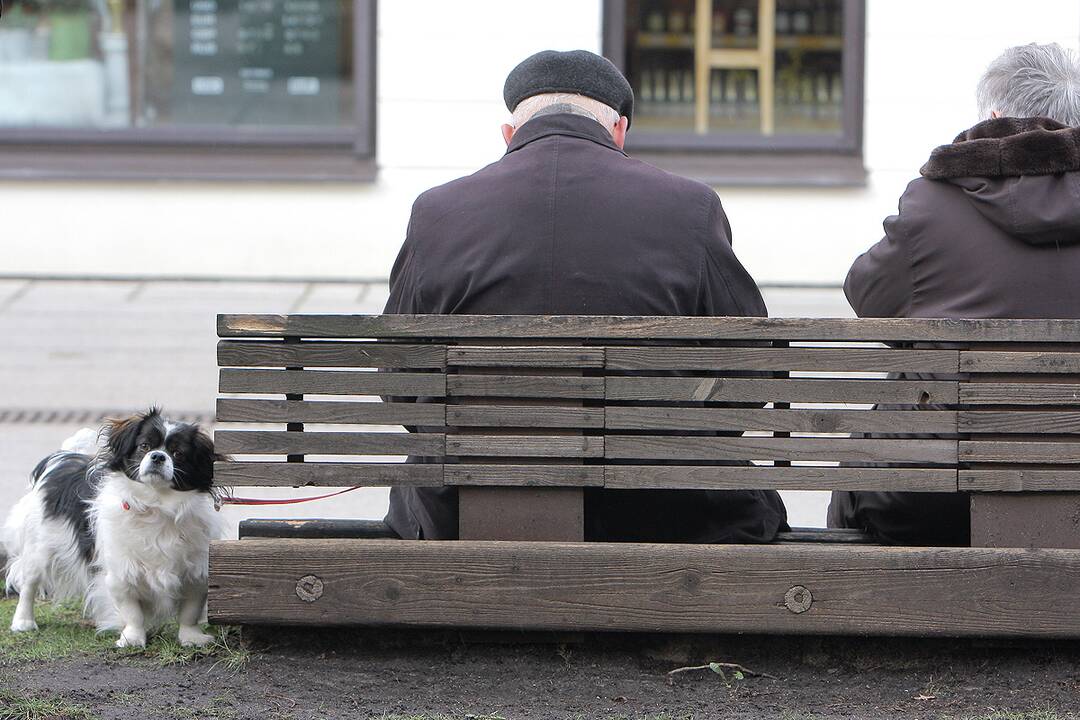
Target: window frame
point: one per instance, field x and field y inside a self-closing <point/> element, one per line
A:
<point x="757" y="159"/>
<point x="210" y="152"/>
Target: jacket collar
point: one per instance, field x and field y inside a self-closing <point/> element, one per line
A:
<point x="1007" y="147"/>
<point x="562" y="124"/>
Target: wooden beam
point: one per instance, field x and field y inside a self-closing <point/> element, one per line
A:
<point x="1026" y="520"/>
<point x="534" y="514"/>
<point x="698" y="477"/>
<point x="330" y="412"/>
<point x="272" y="442"/>
<point x="279" y="474"/>
<point x="667" y="447"/>
<point x="248" y="353"/>
<point x="826" y="590"/>
<point x="524" y="356"/>
<point x="1020" y="393"/>
<point x="998" y="451"/>
<point x="331" y="382"/>
<point x="1032" y="422"/>
<point x="1020" y="480"/>
<point x="771" y="420"/>
<point x="797" y="390"/>
<point x="791" y="359"/>
<point x="983" y="361"/>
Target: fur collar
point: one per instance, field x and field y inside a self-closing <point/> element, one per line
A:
<point x="1007" y="147"/>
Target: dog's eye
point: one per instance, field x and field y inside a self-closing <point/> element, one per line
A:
<point x="177" y="454"/>
<point x="144" y="447"/>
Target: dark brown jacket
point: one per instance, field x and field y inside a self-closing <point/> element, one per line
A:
<point x="566" y="223"/>
<point x="991" y="230"/>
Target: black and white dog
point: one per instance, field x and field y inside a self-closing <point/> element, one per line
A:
<point x="122" y="518"/>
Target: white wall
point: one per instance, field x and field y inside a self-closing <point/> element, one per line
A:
<point x="441" y="67"/>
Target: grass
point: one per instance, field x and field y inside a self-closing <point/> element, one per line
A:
<point x="20" y="707"/>
<point x="64" y="633"/>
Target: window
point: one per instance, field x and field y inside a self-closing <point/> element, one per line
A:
<point x="229" y="89"/>
<point x="744" y="91"/>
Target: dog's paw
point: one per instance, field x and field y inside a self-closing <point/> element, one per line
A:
<point x="131" y="638"/>
<point x="194" y="637"/>
<point x="21" y="625"/>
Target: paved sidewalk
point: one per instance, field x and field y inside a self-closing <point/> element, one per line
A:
<point x="73" y="351"/>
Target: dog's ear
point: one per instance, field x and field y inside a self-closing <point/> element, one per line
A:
<point x="122" y="434"/>
<point x="202" y="462"/>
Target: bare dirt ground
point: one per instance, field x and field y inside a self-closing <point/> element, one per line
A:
<point x="299" y="674"/>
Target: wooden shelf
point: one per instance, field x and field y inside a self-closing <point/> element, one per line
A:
<point x="787" y="43"/>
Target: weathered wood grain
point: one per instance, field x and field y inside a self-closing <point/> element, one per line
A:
<point x="1028" y="520"/>
<point x="697" y="477"/>
<point x="654" y="447"/>
<point x="1020" y="393"/>
<point x="540" y="356"/>
<point x="315" y="528"/>
<point x="247" y="353"/>
<point x="1019" y="452"/>
<point x="525" y="475"/>
<point x="265" y="442"/>
<point x="329" y="412"/>
<point x="1030" y="421"/>
<point x="1020" y="480"/>
<point x="655" y="588"/>
<point x="524" y="386"/>
<point x="535" y="514"/>
<point x="982" y="361"/>
<point x="504" y="327"/>
<point x="278" y="474"/>
<point x="524" y="416"/>
<point x="683" y="389"/>
<point x="550" y="446"/>
<point x="779" y="359"/>
<point x="331" y="382"/>
<point x="810" y="421"/>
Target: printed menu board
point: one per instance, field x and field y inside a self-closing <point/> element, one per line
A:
<point x="257" y="62"/>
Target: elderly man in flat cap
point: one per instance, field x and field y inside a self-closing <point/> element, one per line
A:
<point x="565" y="223"/>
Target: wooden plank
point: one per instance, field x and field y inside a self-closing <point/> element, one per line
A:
<point x="522" y="416"/>
<point x="1025" y="520"/>
<point x="315" y="528"/>
<point x="329" y="412"/>
<point x="536" y="514"/>
<point x="1020" y="480"/>
<point x="265" y="442"/>
<point x="505" y="327"/>
<point x="331" y="382"/>
<point x="813" y="589"/>
<point x="1019" y="452"/>
<point x="1020" y="393"/>
<point x="684" y="389"/>
<point x="247" y="353"/>
<point x="553" y="446"/>
<point x="525" y="356"/>
<point x="815" y="421"/>
<point x="278" y="474"/>
<point x="984" y="361"/>
<point x="697" y="477"/>
<point x="524" y="386"/>
<point x="779" y="359"/>
<point x="845" y="536"/>
<point x="660" y="447"/>
<point x="1019" y="421"/>
<point x="525" y="475"/>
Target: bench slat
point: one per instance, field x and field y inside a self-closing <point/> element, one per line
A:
<point x="682" y="389"/>
<point x="524" y="386"/>
<point x="697" y="477"/>
<point x="552" y="446"/>
<point x="771" y="420"/>
<point x="656" y="588"/>
<point x="247" y="353"/>
<point x="1029" y="421"/>
<point x="653" y="447"/>
<point x="503" y="327"/>
<point x="331" y="382"/>
<point x="536" y="356"/>
<point x="1020" y="480"/>
<point x="985" y="361"/>
<point x="266" y="442"/>
<point x="1020" y="452"/>
<point x="793" y="359"/>
<point x="522" y="416"/>
<point x="323" y="474"/>
<point x="1020" y="393"/>
<point x="329" y="412"/>
<point x="524" y="475"/>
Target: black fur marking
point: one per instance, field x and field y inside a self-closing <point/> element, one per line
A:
<point x="67" y="491"/>
<point x="193" y="458"/>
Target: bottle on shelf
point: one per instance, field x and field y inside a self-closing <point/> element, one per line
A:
<point x="744" y="17"/>
<point x="646" y="89"/>
<point x="800" y="18"/>
<point x="821" y="22"/>
<point x="783" y="18"/>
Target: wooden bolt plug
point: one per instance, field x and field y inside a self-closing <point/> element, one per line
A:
<point x="309" y="588"/>
<point x="798" y="599"/>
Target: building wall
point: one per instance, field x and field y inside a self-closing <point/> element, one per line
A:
<point x="440" y="71"/>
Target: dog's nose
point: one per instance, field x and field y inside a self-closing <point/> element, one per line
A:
<point x="157" y="457"/>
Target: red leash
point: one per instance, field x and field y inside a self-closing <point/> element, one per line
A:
<point x="230" y="500"/>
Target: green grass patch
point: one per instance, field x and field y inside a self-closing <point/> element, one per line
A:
<point x="15" y="706"/>
<point x="63" y="633"/>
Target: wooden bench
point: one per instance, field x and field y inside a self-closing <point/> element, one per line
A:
<point x="525" y="412"/>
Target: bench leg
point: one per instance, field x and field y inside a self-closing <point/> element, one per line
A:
<point x="521" y="513"/>
<point x="1027" y="520"/>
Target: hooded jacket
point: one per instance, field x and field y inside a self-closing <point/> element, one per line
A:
<point x="990" y="230"/>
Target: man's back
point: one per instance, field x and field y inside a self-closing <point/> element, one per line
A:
<point x="566" y="223"/>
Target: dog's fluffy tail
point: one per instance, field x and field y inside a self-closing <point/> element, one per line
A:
<point x="84" y="442"/>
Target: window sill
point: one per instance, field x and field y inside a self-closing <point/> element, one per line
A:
<point x="204" y="162"/>
<point x="762" y="169"/>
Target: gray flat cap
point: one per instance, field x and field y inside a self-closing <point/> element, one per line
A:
<point x="575" y="71"/>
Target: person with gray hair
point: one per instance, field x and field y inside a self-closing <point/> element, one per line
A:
<point x="990" y="230"/>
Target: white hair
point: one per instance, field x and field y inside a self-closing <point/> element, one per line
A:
<point x="598" y="111"/>
<point x="1032" y="81"/>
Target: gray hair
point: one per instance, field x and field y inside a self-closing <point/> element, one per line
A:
<point x="1032" y="81"/>
<point x="598" y="111"/>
